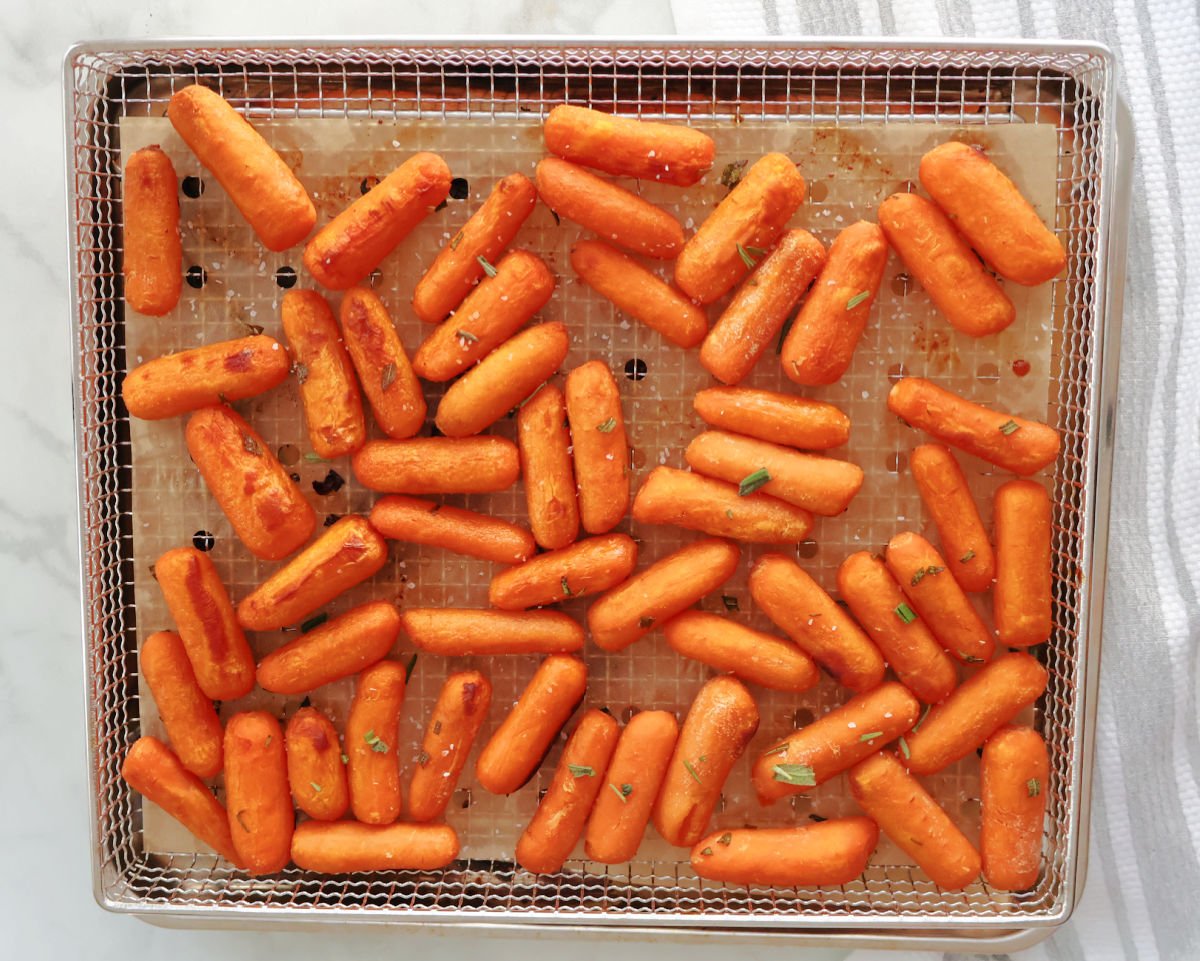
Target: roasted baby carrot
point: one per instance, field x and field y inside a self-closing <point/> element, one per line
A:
<point x="517" y="746"/>
<point x="206" y="621"/>
<point x="941" y="262"/>
<point x="830" y="853"/>
<point x="905" y="812"/>
<point x="761" y="306"/>
<point x="697" y="503"/>
<point x="652" y="597"/>
<point x="613" y="213"/>
<point x="504" y="378"/>
<point x="513" y="291"/>
<point x="834" y="742"/>
<point x="152" y="255"/>
<point x="981" y="706"/>
<point x="1013" y="443"/>
<point x="186" y="711"/>
<point x="751" y="218"/>
<point x="346" y="847"/>
<point x="460" y="711"/>
<point x="921" y="573"/>
<point x="451" y="632"/>
<point x="261" y="819"/>
<point x="316" y="773"/>
<point x="601" y="449"/>
<point x="638" y="766"/>
<point x="905" y="641"/>
<point x="818" y="349"/>
<point x="438" y="465"/>
<point x="778" y="418"/>
<point x="482" y="239"/>
<point x="992" y="214"/>
<point x="258" y="181"/>
<point x="544" y="440"/>
<point x="562" y="813"/>
<point x="820" y="485"/>
<point x="719" y="724"/>
<point x="400" y="518"/>
<point x="587" y="567"/>
<point x="383" y="368"/>
<point x="345" y="554"/>
<point x="801" y="609"/>
<point x="948" y="499"/>
<point x="636" y="291"/>
<point x="1022" y="602"/>
<point x="1014" y="779"/>
<point x="264" y="505"/>
<point x="755" y="657"/>
<point x="628" y="147"/>
<point x="338" y="648"/>
<point x="372" y="743"/>
<point x="328" y="388"/>
<point x="151" y="769"/>
<point x="349" y="247"/>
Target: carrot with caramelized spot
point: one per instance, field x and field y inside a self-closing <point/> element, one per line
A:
<point x="774" y="417"/>
<point x="1014" y="781"/>
<point x="830" y="853"/>
<point x="347" y="847"/>
<point x="261" y="819"/>
<point x="1022" y="600"/>
<point x="438" y="465"/>
<point x="451" y="632"/>
<point x="383" y="367"/>
<point x="372" y="743"/>
<point x="400" y="518"/>
<point x="601" y="449"/>
<point x="948" y="499"/>
<point x="727" y="646"/>
<point x="587" y="567"/>
<point x="460" y="711"/>
<point x="314" y="763"/>
<point x="544" y="440"/>
<point x="152" y="258"/>
<point x="186" y="711"/>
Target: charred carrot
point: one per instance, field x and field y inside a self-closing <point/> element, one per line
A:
<point x="1015" y="776"/>
<point x="416" y="521"/>
<point x="314" y="763"/>
<point x="372" y="743"/>
<point x="948" y="499"/>
<point x="587" y="567"/>
<point x="438" y="465"/>
<point x="1022" y="600"/>
<point x="755" y="657"/>
<point x="544" y="440"/>
<point x="451" y="632"/>
<point x="347" y="847"/>
<point x="601" y="449"/>
<point x="778" y="418"/>
<point x="186" y="711"/>
<point x="830" y="853"/>
<point x="460" y="711"/>
<point x="152" y="258"/>
<point x="261" y="819"/>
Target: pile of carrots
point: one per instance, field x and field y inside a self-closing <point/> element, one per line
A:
<point x="756" y="476"/>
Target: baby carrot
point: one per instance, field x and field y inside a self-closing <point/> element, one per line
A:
<point x="513" y="291"/>
<point x="818" y="349"/>
<point x="207" y="624"/>
<point x="670" y="585"/>
<point x="372" y="742"/>
<point x="151" y="769"/>
<point x="562" y="813"/>
<point x="638" y="766"/>
<point x="629" y="147"/>
<point x="518" y="745"/>
<point x="587" y="567"/>
<point x="778" y="418"/>
<point x="755" y="657"/>
<point x="258" y="181"/>
<point x="451" y="632"/>
<point x="830" y="853"/>
<point x="834" y="742"/>
<point x="636" y="291"/>
<point x="801" y="609"/>
<point x="438" y="465"/>
<point x="1013" y="443"/>
<point x="264" y="505"/>
<point x="613" y="213"/>
<point x="186" y="711"/>
<point x="903" y="639"/>
<point x="948" y="499"/>
<point x="1015" y="775"/>
<point x="261" y="819"/>
<point x="697" y="503"/>
<point x="349" y="247"/>
<point x="152" y="259"/>
<point x="400" y="518"/>
<point x="460" y="711"/>
<point x="600" y="447"/>
<point x="328" y="388"/>
<point x="752" y="217"/>
<point x="348" y="553"/>
<point x="718" y="726"/>
<point x="991" y="213"/>
<point x="1022" y="599"/>
<point x="347" y="847"/>
<point x="338" y="648"/>
<point x="906" y="813"/>
<point x="504" y="378"/>
<point x="483" y="238"/>
<point x="544" y="440"/>
<point x="981" y="706"/>
<point x="761" y="306"/>
<point x="921" y="573"/>
<point x="387" y="376"/>
<point x="314" y="763"/>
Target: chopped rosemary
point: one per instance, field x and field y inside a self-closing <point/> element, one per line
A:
<point x="857" y="299"/>
<point x="1033" y="786"/>
<point x="692" y="771"/>
<point x="966" y="557"/>
<point x="905" y="613"/>
<point x="608" y="426"/>
<point x="870" y="736"/>
<point x="377" y="744"/>
<point x="800" y="775"/>
<point x="581" y="770"/>
<point x="1009" y="427"/>
<point x="487" y="268"/>
<point x="387" y="376"/>
<point x="752" y="482"/>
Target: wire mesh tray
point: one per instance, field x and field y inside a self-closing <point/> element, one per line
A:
<point x="856" y="117"/>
